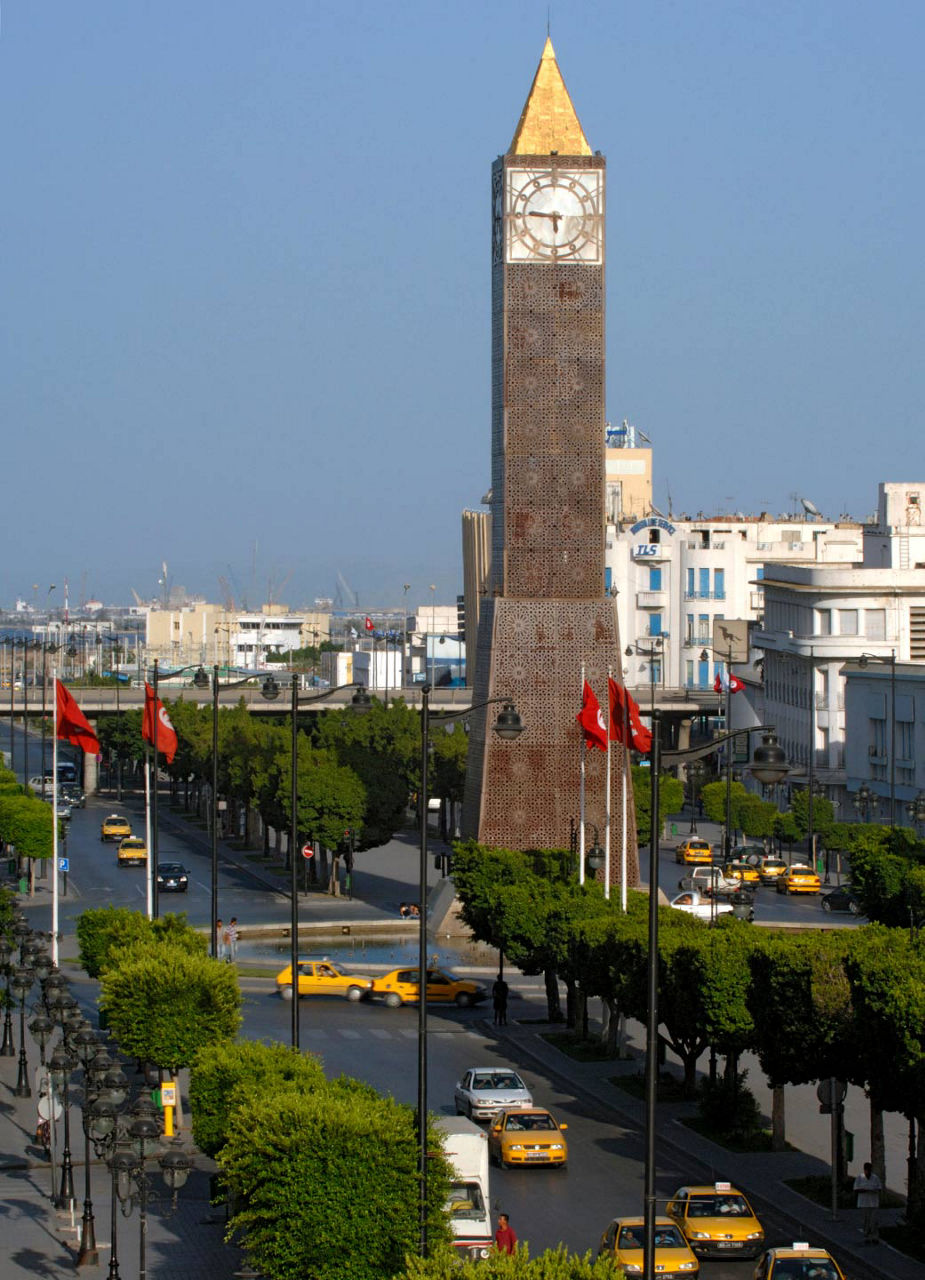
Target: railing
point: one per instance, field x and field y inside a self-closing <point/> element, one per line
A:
<point x="705" y="595"/>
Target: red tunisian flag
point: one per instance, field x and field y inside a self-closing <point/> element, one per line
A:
<point x="730" y="682"/>
<point x="369" y="625"/>
<point x="71" y="724"/>
<point x="166" y="734"/>
<point x="624" y="708"/>
<point x="591" y="719"/>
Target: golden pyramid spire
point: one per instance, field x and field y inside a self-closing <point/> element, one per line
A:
<point x="548" y="121"/>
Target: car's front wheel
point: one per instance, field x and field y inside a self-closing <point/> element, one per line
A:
<point x="463" y="1000"/>
<point x="355" y="993"/>
<point x="826" y="905"/>
<point x="393" y="1000"/>
<point x="853" y="907"/>
<point x="285" y="993"/>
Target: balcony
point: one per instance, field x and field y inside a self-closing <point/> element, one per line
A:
<point x="651" y="599"/>
<point x="704" y="595"/>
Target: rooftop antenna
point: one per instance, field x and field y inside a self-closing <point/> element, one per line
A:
<point x="794" y="500"/>
<point x="670" y="509"/>
<point x="810" y="508"/>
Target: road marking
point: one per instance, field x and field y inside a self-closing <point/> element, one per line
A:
<point x="350" y="1035"/>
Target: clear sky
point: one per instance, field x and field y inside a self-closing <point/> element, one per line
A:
<point x="244" y="269"/>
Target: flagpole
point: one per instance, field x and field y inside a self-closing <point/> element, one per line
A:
<point x="54" y="827"/>
<point x="149" y="903"/>
<point x="607" y="797"/>
<point x="581" y="799"/>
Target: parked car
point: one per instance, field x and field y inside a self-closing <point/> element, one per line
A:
<point x="717" y="1221"/>
<point x="172" y="877"/>
<point x="319" y="976"/>
<point x="401" y="986"/>
<point x="624" y="1241"/>
<point x="485" y="1091"/>
<point x="527" y="1137"/>
<point x="843" y="898"/>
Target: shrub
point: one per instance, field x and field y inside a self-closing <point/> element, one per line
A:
<point x="554" y="1264"/>
<point x="103" y="930"/>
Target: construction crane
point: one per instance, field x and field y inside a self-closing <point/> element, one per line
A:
<point x="227" y="597"/>
<point x="345" y="597"/>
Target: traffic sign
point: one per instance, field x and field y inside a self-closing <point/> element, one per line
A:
<point x="64" y="864"/>
<point x="168" y="1094"/>
<point x="308" y="850"/>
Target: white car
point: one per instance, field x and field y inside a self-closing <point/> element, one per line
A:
<point x="484" y="1092"/>
<point x="695" y="904"/>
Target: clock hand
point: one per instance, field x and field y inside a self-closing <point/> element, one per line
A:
<point x="556" y="217"/>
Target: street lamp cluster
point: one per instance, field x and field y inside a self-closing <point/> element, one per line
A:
<point x="125" y="1137"/>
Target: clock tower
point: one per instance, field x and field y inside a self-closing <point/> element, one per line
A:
<point x="547" y="616"/>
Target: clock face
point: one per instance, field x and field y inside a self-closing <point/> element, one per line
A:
<point x="554" y="215"/>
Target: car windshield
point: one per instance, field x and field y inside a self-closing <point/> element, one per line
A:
<point x="717" y="1206"/>
<point x="804" y="1269"/>
<point x="170" y="869"/>
<point x="498" y="1080"/>
<point x="665" y="1238"/>
<point x="465" y="1201"/>
<point x="530" y="1122"/>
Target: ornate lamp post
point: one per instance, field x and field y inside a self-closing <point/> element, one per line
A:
<point x="916" y="809"/>
<point x="508" y="726"/>
<point x="863" y="661"/>
<point x="865" y="802"/>
<point x="695" y="773"/>
<point x="7" y="1048"/>
<point x="87" y="1048"/>
<point x="21" y="984"/>
<point x="132" y="1179"/>
<point x="594" y="853"/>
<point x="61" y="1065"/>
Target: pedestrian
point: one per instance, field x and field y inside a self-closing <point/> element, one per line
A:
<point x="867" y="1187"/>
<point x="499" y="992"/>
<point x="221" y="943"/>
<point x="232" y="939"/>
<point x="505" y="1236"/>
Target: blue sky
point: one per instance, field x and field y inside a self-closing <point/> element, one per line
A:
<point x="245" y="272"/>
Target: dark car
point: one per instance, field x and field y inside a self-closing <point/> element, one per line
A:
<point x="172" y="877"/>
<point x="843" y="898"/>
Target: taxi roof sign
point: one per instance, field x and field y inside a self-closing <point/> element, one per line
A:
<point x="722" y="1186"/>
<point x="801" y="1244"/>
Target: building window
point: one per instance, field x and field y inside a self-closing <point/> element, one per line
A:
<point x="703" y="629"/>
<point x="877" y="750"/>
<point x="704" y="584"/>
<point x="690" y="584"/>
<point x="689" y="631"/>
<point x="719" y="584"/>
<point x="655" y="535"/>
<point x="655" y="624"/>
<point x="823" y="622"/>
<point x="875" y="624"/>
<point x="847" y="622"/>
<point x="655" y="578"/>
<point x="689" y="673"/>
<point x="703" y="673"/>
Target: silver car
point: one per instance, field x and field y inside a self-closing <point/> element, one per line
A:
<point x="483" y="1092"/>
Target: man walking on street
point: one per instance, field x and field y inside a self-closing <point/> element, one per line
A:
<point x="505" y="1236"/>
<point x="867" y="1187"/>
<point x="221" y="941"/>
<point x="499" y="1000"/>
<point x="232" y="933"/>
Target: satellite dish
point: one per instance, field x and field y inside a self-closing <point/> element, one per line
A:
<point x="810" y="508"/>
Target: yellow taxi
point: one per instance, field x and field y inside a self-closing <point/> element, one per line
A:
<point x="771" y="869"/>
<point x="321" y="977"/>
<point x="132" y="852"/>
<point x="530" y="1136"/>
<point x="799" y="1261"/>
<point x="115" y="827"/>
<point x="798" y="878"/>
<point x="717" y="1221"/>
<point x="624" y="1241"/>
<point x="401" y="986"/>
<point x="693" y="850"/>
<point x="744" y="872"/>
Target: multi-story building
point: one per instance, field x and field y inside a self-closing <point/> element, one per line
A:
<point x="870" y="616"/>
<point x="674" y="578"/>
<point x="199" y="632"/>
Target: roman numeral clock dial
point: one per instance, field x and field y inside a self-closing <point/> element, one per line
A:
<point x="554" y="215"/>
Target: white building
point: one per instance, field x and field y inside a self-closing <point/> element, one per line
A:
<point x="818" y="619"/>
<point x="674" y="578"/>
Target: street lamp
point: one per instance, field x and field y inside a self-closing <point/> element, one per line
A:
<point x="865" y="801"/>
<point x="507" y="726"/>
<point x="863" y="661"/>
<point x="652" y="652"/>
<point x="594" y="854"/>
<point x="360" y="702"/>
<point x="916" y="809"/>
<point x="768" y="765"/>
<point x="8" y="1047"/>
<point x="269" y="690"/>
<point x="695" y="773"/>
<point x="60" y="1065"/>
<point x="21" y="984"/>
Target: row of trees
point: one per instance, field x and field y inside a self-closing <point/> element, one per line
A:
<point x="26" y="822"/>
<point x="812" y="1005"/>
<point x="355" y="771"/>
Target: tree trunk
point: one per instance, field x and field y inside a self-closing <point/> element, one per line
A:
<point x="877" y="1143"/>
<point x="915" y="1210"/>
<point x="690" y="1073"/>
<point x="581" y="1013"/>
<point x="334" y="878"/>
<point x="778" y="1118"/>
<point x="553" y="1003"/>
<point x="571" y="1011"/>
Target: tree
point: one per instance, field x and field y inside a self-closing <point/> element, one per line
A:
<point x="756" y="817"/>
<point x="300" y="1163"/>
<point x="101" y="931"/>
<point x="164" y="1003"/>
<point x="785" y="829"/>
<point x="823" y="813"/>
<point x="670" y="799"/>
<point x="332" y="799"/>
